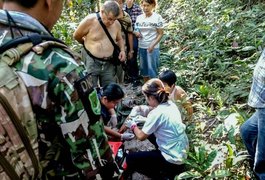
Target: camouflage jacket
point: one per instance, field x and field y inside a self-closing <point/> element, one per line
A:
<point x="68" y="142"/>
<point x="126" y="24"/>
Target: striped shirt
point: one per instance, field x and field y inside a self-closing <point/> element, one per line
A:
<point x="257" y="94"/>
<point x="134" y="11"/>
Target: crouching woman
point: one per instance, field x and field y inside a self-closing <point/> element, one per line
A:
<point x="164" y="128"/>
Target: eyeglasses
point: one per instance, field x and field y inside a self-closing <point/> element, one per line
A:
<point x="109" y="17"/>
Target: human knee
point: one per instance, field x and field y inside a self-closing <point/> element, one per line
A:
<point x="244" y="130"/>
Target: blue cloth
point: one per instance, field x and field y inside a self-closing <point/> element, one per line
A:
<point x="253" y="135"/>
<point x="253" y="130"/>
<point x="149" y="62"/>
<point x="257" y="93"/>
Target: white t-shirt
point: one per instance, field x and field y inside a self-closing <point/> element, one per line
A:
<point x="148" y="26"/>
<point x="166" y="124"/>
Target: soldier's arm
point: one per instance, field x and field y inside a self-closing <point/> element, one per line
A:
<point x="130" y="39"/>
<point x="119" y="38"/>
<point x="130" y="51"/>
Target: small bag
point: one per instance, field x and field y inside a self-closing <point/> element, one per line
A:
<point x="115" y="56"/>
<point x="116" y="51"/>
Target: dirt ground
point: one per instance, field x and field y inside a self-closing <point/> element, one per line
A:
<point x="136" y="145"/>
<point x="134" y="97"/>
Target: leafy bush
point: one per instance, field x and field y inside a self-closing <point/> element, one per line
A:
<point x="213" y="46"/>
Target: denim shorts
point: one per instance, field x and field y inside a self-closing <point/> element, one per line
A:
<point x="149" y="62"/>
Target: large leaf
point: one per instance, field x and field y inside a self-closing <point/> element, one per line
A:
<point x="219" y="131"/>
<point x="188" y="174"/>
<point x="221" y="173"/>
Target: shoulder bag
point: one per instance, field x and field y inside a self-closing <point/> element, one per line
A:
<point x="116" y="51"/>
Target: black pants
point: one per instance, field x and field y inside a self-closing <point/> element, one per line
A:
<point x="151" y="164"/>
<point x="133" y="69"/>
<point x="108" y="170"/>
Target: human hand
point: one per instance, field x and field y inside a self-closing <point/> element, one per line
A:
<point x="130" y="123"/>
<point x="127" y="136"/>
<point x="135" y="111"/>
<point x="138" y="34"/>
<point x="113" y="121"/>
<point x="142" y="110"/>
<point x="139" y="119"/>
<point x="150" y="49"/>
<point x="122" y="56"/>
<point x="122" y="129"/>
<point x="130" y="55"/>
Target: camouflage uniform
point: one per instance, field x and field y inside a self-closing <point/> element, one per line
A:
<point x="126" y="24"/>
<point x="69" y="140"/>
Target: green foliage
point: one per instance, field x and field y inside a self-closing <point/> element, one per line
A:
<point x="204" y="163"/>
<point x="208" y="41"/>
<point x="213" y="46"/>
<point x="73" y="13"/>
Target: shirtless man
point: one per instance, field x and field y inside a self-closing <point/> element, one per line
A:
<point x="98" y="49"/>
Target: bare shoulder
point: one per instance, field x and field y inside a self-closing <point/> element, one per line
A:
<point x="117" y="24"/>
<point x="179" y="88"/>
<point x="179" y="92"/>
<point x="90" y="19"/>
<point x="84" y="27"/>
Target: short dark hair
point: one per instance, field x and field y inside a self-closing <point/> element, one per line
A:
<point x="112" y="6"/>
<point x="149" y="2"/>
<point x="168" y="77"/>
<point x="113" y="92"/>
<point x="24" y="3"/>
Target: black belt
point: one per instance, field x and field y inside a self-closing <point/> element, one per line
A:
<point x="107" y="59"/>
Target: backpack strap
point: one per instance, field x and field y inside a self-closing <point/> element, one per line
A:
<point x="8" y="168"/>
<point x="34" y="38"/>
<point x="106" y="31"/>
<point x="14" y="49"/>
<point x="126" y="35"/>
<point x="13" y="55"/>
<point x="10" y="53"/>
<point x="22" y="134"/>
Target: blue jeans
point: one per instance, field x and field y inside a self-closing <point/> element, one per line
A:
<point x="149" y="62"/>
<point x="253" y="135"/>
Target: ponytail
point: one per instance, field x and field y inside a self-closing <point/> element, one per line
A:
<point x="155" y="87"/>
